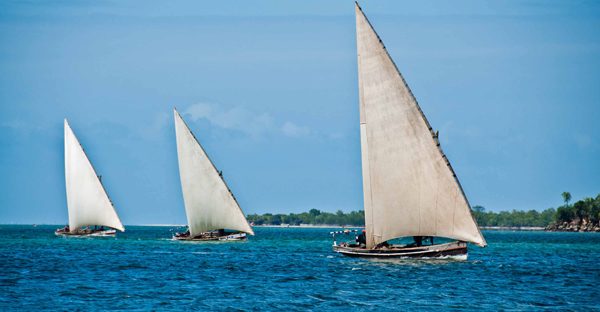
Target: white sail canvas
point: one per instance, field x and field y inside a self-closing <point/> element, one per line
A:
<point x="86" y="198"/>
<point x="410" y="188"/>
<point x="209" y="203"/>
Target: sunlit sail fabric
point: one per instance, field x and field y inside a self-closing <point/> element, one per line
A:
<point x="208" y="202"/>
<point x="409" y="187"/>
<point x="86" y="198"/>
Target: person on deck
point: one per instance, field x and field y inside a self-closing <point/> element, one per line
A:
<point x="362" y="239"/>
<point x="419" y="240"/>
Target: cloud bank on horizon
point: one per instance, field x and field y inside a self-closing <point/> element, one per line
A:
<point x="241" y="119"/>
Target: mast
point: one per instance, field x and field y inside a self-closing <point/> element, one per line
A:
<point x="209" y="203"/>
<point x="409" y="187"/>
<point x="87" y="199"/>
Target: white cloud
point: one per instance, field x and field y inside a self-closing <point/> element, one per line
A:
<point x="583" y="141"/>
<point x="15" y="124"/>
<point x="337" y="135"/>
<point x="156" y="128"/>
<point x="199" y="110"/>
<point x="21" y="127"/>
<point x="237" y="118"/>
<point x="252" y="123"/>
<point x="292" y="130"/>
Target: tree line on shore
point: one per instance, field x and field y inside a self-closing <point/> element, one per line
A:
<point x="314" y="216"/>
<point x="516" y="218"/>
<point x="584" y="211"/>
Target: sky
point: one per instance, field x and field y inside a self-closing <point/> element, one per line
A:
<point x="270" y="90"/>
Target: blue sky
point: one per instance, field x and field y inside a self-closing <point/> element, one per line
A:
<point x="270" y="90"/>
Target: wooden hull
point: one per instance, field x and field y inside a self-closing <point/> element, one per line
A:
<point x="229" y="237"/>
<point x="456" y="250"/>
<point x="83" y="233"/>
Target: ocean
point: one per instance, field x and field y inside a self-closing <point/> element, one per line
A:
<point x="290" y="269"/>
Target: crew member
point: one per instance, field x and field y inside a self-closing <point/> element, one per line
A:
<point x="362" y="239"/>
<point x="419" y="240"/>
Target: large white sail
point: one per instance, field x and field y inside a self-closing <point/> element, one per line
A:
<point x="86" y="198"/>
<point x="409" y="186"/>
<point x="209" y="203"/>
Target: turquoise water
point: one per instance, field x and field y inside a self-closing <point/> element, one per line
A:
<point x="290" y="269"/>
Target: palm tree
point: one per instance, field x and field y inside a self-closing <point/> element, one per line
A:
<point x="567" y="198"/>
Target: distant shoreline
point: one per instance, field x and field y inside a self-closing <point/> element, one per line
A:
<point x="321" y="226"/>
<point x="513" y="228"/>
<point x="309" y="226"/>
<point x="493" y="228"/>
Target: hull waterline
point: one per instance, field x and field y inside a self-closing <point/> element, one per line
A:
<point x="455" y="250"/>
<point x="228" y="237"/>
<point x="84" y="234"/>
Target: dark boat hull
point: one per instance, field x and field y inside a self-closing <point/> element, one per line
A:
<point x="228" y="237"/>
<point x="83" y="233"/>
<point x="456" y="250"/>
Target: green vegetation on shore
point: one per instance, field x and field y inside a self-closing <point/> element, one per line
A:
<point x="513" y="219"/>
<point x="314" y="216"/>
<point x="582" y="212"/>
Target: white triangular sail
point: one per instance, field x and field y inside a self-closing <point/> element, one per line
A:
<point x="209" y="203"/>
<point x="86" y="198"/>
<point x="409" y="186"/>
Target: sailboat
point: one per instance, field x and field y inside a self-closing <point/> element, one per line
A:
<point x="409" y="186"/>
<point x="87" y="200"/>
<point x="210" y="205"/>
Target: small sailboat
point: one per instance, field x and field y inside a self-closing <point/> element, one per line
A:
<point x="409" y="187"/>
<point x="90" y="208"/>
<point x="210" y="206"/>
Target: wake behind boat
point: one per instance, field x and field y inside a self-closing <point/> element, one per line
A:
<point x="88" y="203"/>
<point x="410" y="188"/>
<point x="210" y="205"/>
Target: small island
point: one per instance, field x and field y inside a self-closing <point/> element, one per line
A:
<point x="583" y="216"/>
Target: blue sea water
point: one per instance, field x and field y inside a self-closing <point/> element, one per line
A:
<point x="290" y="269"/>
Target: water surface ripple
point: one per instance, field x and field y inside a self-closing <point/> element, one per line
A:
<point x="290" y="269"/>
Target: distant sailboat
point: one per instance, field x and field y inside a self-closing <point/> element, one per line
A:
<point x="210" y="206"/>
<point x="87" y="200"/>
<point x="409" y="187"/>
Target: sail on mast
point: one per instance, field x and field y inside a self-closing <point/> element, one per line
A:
<point x="209" y="203"/>
<point x="87" y="199"/>
<point x="409" y="187"/>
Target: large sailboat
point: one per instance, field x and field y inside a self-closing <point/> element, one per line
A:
<point x="210" y="206"/>
<point x="87" y="200"/>
<point x="409" y="187"/>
